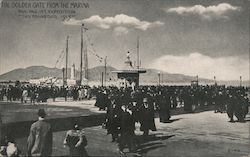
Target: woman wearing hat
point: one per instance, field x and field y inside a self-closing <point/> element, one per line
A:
<point x="76" y="141"/>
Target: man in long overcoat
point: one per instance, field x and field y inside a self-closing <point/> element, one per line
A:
<point x="147" y="117"/>
<point x="164" y="108"/>
<point x="40" y="137"/>
<point x="127" y="129"/>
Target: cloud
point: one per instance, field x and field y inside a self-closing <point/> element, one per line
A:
<point x="224" y="68"/>
<point x="116" y="22"/>
<point x="214" y="11"/>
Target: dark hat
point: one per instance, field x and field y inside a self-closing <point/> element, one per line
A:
<point x="41" y="113"/>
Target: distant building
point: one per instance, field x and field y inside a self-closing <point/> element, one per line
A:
<point x="128" y="76"/>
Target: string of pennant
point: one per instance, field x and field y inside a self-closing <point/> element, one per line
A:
<point x="60" y="57"/>
<point x="101" y="59"/>
<point x="92" y="50"/>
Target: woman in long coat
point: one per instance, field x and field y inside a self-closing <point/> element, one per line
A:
<point x="76" y="141"/>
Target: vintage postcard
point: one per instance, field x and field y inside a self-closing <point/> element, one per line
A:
<point x="124" y="78"/>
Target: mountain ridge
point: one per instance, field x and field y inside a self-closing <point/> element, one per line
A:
<point x="95" y="74"/>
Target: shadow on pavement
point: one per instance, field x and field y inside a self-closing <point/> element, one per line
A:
<point x="173" y="120"/>
<point x="147" y="149"/>
<point x="151" y="142"/>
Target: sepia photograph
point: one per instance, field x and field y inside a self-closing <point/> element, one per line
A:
<point x="124" y="78"/>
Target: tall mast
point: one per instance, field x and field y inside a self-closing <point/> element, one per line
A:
<point x="66" y="69"/>
<point x="105" y="70"/>
<point x="138" y="57"/>
<point x="84" y="55"/>
<point x="86" y="61"/>
<point x="81" y="53"/>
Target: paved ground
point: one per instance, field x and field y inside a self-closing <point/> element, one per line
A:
<point x="15" y="111"/>
<point x="200" y="134"/>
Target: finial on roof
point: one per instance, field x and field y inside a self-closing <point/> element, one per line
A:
<point x="128" y="55"/>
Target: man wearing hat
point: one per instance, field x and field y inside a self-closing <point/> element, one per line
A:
<point x="147" y="117"/>
<point x="40" y="137"/>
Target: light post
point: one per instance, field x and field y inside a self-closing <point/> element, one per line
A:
<point x="240" y="81"/>
<point x="215" y="83"/>
<point x="197" y="79"/>
<point x="159" y="78"/>
<point x="162" y="79"/>
<point x="63" y="70"/>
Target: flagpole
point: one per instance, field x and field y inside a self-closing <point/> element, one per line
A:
<point x="81" y="54"/>
<point x="105" y="69"/>
<point x="66" y="69"/>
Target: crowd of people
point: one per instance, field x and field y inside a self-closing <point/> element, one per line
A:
<point x="41" y="93"/>
<point x="164" y="98"/>
<point x="233" y="100"/>
<point x="126" y="106"/>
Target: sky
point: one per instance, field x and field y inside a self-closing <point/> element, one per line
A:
<point x="194" y="37"/>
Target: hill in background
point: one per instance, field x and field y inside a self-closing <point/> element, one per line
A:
<point x="95" y="74"/>
<point x="30" y="72"/>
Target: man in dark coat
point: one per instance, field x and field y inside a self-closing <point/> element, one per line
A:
<point x="40" y="137"/>
<point x="238" y="108"/>
<point x="245" y="105"/>
<point x="147" y="117"/>
<point x="113" y="119"/>
<point x="127" y="129"/>
<point x="164" y="109"/>
<point x="102" y="100"/>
